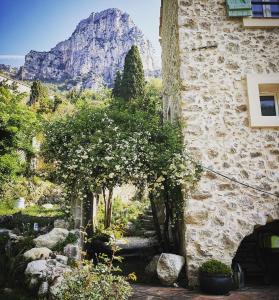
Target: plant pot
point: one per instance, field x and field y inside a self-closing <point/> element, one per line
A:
<point x="215" y="284"/>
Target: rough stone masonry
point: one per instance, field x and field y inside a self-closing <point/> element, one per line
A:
<point x="206" y="57"/>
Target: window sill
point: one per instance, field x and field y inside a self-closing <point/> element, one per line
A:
<point x="250" y="22"/>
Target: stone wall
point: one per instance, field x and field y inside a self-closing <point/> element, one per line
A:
<point x="171" y="59"/>
<point x="216" y="53"/>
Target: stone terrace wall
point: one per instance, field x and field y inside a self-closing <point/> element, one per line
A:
<point x="216" y="54"/>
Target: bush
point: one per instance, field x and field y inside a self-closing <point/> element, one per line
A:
<point x="70" y="239"/>
<point x="94" y="283"/>
<point x="215" y="267"/>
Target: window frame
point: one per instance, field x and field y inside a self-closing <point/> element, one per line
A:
<point x="253" y="84"/>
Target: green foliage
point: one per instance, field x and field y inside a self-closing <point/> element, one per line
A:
<point x="215" y="267"/>
<point x="12" y="263"/>
<point x="116" y="92"/>
<point x="100" y="148"/>
<point x="7" y="208"/>
<point x="18" y="125"/>
<point x="70" y="239"/>
<point x="39" y="92"/>
<point x="133" y="81"/>
<point x="94" y="283"/>
<point x="123" y="213"/>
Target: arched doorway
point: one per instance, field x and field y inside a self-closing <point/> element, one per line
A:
<point x="258" y="255"/>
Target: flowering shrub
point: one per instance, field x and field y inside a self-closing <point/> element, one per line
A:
<point x="97" y="149"/>
<point x="94" y="283"/>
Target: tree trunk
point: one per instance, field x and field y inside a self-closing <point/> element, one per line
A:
<point x="87" y="217"/>
<point x="108" y="216"/>
<point x="156" y="220"/>
<point x="95" y="211"/>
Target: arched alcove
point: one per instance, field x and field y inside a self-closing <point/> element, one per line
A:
<point x="258" y="255"/>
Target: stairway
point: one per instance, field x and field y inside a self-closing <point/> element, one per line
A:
<point x="140" y="237"/>
<point x="143" y="226"/>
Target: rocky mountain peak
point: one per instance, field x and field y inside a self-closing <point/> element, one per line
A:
<point x="94" y="52"/>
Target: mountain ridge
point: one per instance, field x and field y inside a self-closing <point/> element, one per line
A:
<point x="90" y="57"/>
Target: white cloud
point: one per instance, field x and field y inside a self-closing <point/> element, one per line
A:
<point x="11" y="56"/>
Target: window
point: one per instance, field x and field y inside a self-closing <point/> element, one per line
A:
<point x="269" y="106"/>
<point x="263" y="96"/>
<point x="265" y="8"/>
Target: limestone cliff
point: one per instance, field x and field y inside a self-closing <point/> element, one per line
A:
<point x="93" y="53"/>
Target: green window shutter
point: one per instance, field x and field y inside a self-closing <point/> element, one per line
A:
<point x="239" y="8"/>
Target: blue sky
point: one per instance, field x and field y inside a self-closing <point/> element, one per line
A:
<point x="40" y="24"/>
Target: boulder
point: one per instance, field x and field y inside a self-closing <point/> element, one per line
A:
<point x="37" y="253"/>
<point x="62" y="259"/>
<point x="50" y="239"/>
<point x="36" y="268"/>
<point x="72" y="251"/>
<point x="151" y="268"/>
<point x="169" y="267"/>
<point x="43" y="289"/>
<point x="61" y="223"/>
<point x="47" y="206"/>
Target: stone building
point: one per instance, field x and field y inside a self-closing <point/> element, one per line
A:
<point x="221" y="76"/>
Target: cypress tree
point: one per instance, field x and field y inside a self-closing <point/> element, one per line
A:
<point x="116" y="92"/>
<point x="133" y="81"/>
<point x="38" y="92"/>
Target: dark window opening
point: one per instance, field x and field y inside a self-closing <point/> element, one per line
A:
<point x="268" y="105"/>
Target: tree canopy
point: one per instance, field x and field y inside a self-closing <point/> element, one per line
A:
<point x="18" y="125"/>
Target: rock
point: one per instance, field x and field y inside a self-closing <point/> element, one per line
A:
<point x="43" y="289"/>
<point x="55" y="287"/>
<point x="50" y="239"/>
<point x="44" y="271"/>
<point x="47" y="206"/>
<point x="151" y="268"/>
<point x="169" y="267"/>
<point x="4" y="231"/>
<point x="37" y="253"/>
<point x="62" y="259"/>
<point x="93" y="54"/>
<point x="7" y="291"/>
<point x="33" y="283"/>
<point x="72" y="251"/>
<point x="36" y="268"/>
<point x="61" y="223"/>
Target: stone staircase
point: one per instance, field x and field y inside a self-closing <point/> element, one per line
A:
<point x="140" y="239"/>
<point x="143" y="226"/>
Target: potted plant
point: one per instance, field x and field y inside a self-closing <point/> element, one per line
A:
<point x="215" y="278"/>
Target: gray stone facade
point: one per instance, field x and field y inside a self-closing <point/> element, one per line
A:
<point x="206" y="58"/>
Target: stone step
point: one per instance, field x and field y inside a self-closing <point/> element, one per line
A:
<point x="147" y="227"/>
<point x="150" y="233"/>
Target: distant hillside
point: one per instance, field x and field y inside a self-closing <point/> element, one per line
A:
<point x="22" y="87"/>
<point x="93" y="53"/>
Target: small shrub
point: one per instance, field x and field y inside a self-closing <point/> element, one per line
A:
<point x="94" y="283"/>
<point x="215" y="267"/>
<point x="70" y="239"/>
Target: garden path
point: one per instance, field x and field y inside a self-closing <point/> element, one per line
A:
<point x="145" y="292"/>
